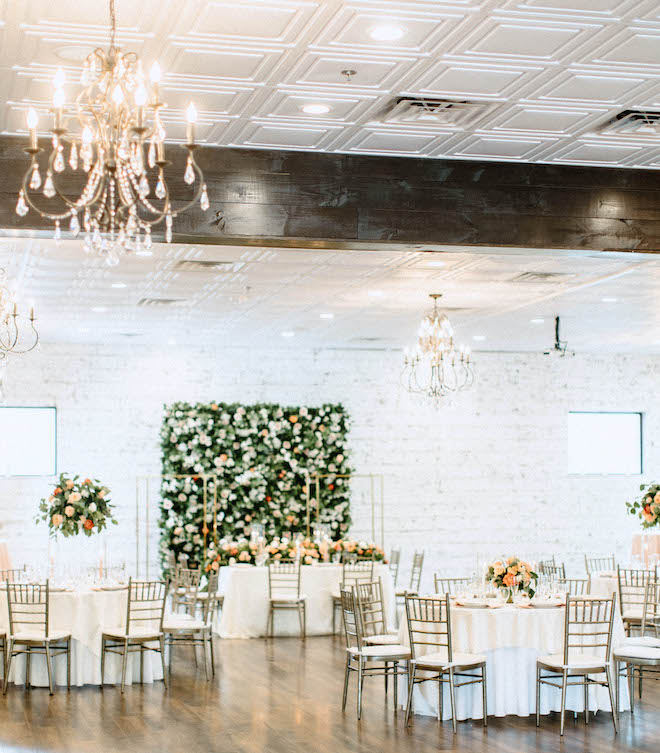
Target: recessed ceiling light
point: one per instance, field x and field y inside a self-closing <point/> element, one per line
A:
<point x="118" y="285"/>
<point x="537" y="321"/>
<point x="608" y="299"/>
<point x="288" y="333"/>
<point x="326" y="315"/>
<point x="436" y="264"/>
<point x="72" y="52"/>
<point x="99" y="309"/>
<point x="375" y="294"/>
<point x="144" y="252"/>
<point x="386" y="32"/>
<point x="315" y="109"/>
<point x="478" y="338"/>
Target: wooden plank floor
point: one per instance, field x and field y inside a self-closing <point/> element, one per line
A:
<point x="283" y="696"/>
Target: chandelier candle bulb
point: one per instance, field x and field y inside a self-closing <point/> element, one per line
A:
<point x="191" y="117"/>
<point x="32" y="120"/>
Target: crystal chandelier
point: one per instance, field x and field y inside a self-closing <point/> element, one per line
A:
<point x="18" y="333"/>
<point x="116" y="145"/>
<point x="435" y="367"/>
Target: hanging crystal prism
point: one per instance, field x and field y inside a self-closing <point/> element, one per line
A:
<point x="204" y="199"/>
<point x="21" y="205"/>
<point x="148" y="243"/>
<point x="35" y="179"/>
<point x="73" y="156"/>
<point x="58" y="231"/>
<point x="160" y="188"/>
<point x="74" y="225"/>
<point x="144" y="186"/>
<point x="189" y="175"/>
<point x="151" y="155"/>
<point x="58" y="162"/>
<point x="168" y="228"/>
<point x="49" y="186"/>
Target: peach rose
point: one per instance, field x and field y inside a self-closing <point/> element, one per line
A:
<point x="57" y="519"/>
<point x="69" y="484"/>
<point x="75" y="497"/>
<point x="509" y="580"/>
<point x="88" y="524"/>
<point x="215" y="565"/>
<point x="498" y="569"/>
<point x="69" y="510"/>
<point x="293" y="419"/>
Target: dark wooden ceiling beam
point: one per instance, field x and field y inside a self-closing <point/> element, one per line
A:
<point x="301" y="200"/>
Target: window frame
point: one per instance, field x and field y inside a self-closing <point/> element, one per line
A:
<point x="56" y="442"/>
<point x="615" y="413"/>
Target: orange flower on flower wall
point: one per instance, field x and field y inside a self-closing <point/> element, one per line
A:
<point x="214" y="406"/>
<point x="205" y="530"/>
<point x="87" y="481"/>
<point x="331" y="486"/>
<point x="88" y="524"/>
<point x="223" y="457"/>
<point x="293" y="419"/>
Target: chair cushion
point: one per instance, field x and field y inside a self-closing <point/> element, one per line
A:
<point x="38" y="635"/>
<point x="642" y="640"/>
<point x="633" y="613"/>
<point x="575" y="661"/>
<point x="288" y="597"/>
<point x="177" y="622"/>
<point x="136" y="632"/>
<point x="401" y="652"/>
<point x="389" y="639"/>
<point x="440" y="659"/>
<point x="636" y="652"/>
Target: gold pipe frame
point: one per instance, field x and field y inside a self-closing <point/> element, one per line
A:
<point x="316" y="477"/>
<point x="205" y="477"/>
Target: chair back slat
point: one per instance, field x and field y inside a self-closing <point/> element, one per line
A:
<point x="632" y="588"/>
<point x="429" y="625"/>
<point x="13" y="574"/>
<point x="357" y="572"/>
<point x="28" y="606"/>
<point x="588" y="627"/>
<point x="651" y="613"/>
<point x="599" y="564"/>
<point x="449" y="585"/>
<point x="552" y="570"/>
<point x="576" y="586"/>
<point x="184" y="587"/>
<point x="371" y="607"/>
<point x="550" y="562"/>
<point x="352" y="627"/>
<point x="394" y="564"/>
<point x="284" y="579"/>
<point x="416" y="571"/>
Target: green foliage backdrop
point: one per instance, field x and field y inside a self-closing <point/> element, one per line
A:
<point x="260" y="454"/>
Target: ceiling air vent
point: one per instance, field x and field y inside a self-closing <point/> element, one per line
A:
<point x="439" y="112"/>
<point x="194" y="265"/>
<point x="542" y="277"/>
<point x="161" y="302"/>
<point x="633" y="122"/>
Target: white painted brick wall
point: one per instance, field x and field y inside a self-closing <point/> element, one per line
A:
<point x="484" y="476"/>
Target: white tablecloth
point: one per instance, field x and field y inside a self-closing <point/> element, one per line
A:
<point x="511" y="638"/>
<point x="604" y="584"/>
<point x="85" y="614"/>
<point x="245" y="610"/>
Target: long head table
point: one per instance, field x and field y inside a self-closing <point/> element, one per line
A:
<point x="245" y="610"/>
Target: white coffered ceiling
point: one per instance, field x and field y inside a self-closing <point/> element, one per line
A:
<point x="263" y="297"/>
<point x="550" y="72"/>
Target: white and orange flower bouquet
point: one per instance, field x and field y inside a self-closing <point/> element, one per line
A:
<point x="512" y="573"/>
<point x="77" y="506"/>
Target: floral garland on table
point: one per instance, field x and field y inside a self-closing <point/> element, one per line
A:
<point x="245" y="552"/>
<point x="647" y="509"/>
<point x="261" y="455"/>
<point x="76" y="506"/>
<point x="512" y="573"/>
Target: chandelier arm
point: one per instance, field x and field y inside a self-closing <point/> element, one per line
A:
<point x="143" y="202"/>
<point x="23" y="351"/>
<point x="32" y="205"/>
<point x="11" y="339"/>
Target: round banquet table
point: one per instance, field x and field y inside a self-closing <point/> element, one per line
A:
<point x="604" y="583"/>
<point x="511" y="638"/>
<point x="85" y="614"/>
<point x="245" y="610"/>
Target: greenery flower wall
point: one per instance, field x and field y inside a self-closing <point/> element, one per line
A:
<point x="260" y="454"/>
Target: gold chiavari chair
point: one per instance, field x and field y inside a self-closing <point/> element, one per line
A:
<point x="576" y="586"/>
<point x="145" y="611"/>
<point x="394" y="563"/>
<point x="599" y="564"/>
<point x="30" y="632"/>
<point x="13" y="575"/>
<point x="284" y="593"/>
<point x="352" y="573"/>
<point x="429" y="629"/>
<point x="192" y="630"/>
<point x="361" y="658"/>
<point x="415" y="578"/>
<point x="211" y="594"/>
<point x="641" y="653"/>
<point x="556" y="572"/>
<point x="587" y="652"/>
<point x="550" y="562"/>
<point x="632" y="588"/>
<point x="449" y="585"/>
<point x="371" y="606"/>
<point x="185" y="587"/>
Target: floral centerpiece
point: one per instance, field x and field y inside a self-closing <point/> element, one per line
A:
<point x="512" y="573"/>
<point x="647" y="509"/>
<point x="77" y="507"/>
<point x="359" y="548"/>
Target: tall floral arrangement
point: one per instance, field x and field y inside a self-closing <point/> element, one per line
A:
<point x="647" y="509"/>
<point x="77" y="506"/>
<point x="259" y="455"/>
<point x="512" y="573"/>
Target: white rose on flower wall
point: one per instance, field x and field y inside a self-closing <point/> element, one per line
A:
<point x="259" y="455"/>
